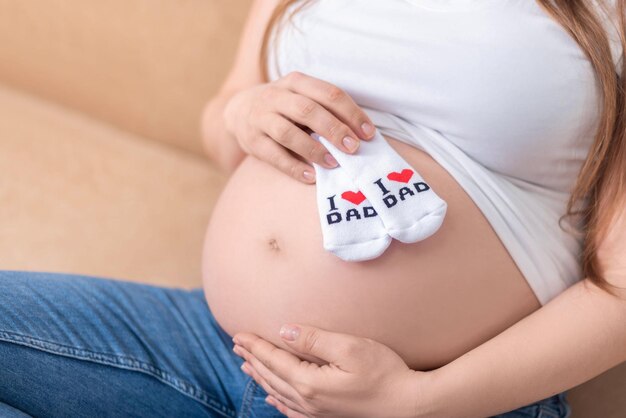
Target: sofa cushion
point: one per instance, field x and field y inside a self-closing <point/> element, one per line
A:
<point x="146" y="66"/>
<point x="82" y="197"/>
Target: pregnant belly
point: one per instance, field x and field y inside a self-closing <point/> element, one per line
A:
<point x="431" y="301"/>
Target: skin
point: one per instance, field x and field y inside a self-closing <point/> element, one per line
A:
<point x="463" y="352"/>
<point x="575" y="337"/>
<point x="427" y="309"/>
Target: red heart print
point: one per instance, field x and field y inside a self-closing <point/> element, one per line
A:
<point x="402" y="177"/>
<point x="355" y="198"/>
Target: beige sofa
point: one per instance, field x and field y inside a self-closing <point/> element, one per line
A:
<point x="101" y="165"/>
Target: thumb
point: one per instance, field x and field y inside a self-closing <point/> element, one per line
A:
<point x="333" y="347"/>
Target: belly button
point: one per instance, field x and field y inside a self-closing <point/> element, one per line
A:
<point x="273" y="244"/>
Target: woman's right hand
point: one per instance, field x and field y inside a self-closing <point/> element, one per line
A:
<point x="270" y="119"/>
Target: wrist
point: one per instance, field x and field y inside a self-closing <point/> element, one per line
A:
<point x="222" y="150"/>
<point x="235" y="110"/>
<point x="422" y="395"/>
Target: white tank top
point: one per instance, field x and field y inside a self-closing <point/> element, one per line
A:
<point x="496" y="91"/>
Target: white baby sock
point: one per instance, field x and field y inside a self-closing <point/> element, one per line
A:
<point x="351" y="227"/>
<point x="409" y="208"/>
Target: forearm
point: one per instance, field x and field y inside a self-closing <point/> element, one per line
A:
<point x="220" y="145"/>
<point x="575" y="337"/>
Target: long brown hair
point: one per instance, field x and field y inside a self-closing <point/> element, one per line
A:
<point x="602" y="178"/>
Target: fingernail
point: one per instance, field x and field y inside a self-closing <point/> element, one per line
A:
<point x="244" y="368"/>
<point x="308" y="175"/>
<point x="330" y="160"/>
<point x="289" y="333"/>
<point x="349" y="143"/>
<point x="368" y="129"/>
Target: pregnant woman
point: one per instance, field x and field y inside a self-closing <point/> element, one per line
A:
<point x="511" y="110"/>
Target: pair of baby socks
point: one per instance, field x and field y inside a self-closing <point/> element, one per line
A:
<point x="372" y="197"/>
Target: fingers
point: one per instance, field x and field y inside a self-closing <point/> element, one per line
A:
<point x="291" y="136"/>
<point x="346" y="352"/>
<point x="267" y="387"/>
<point x="283" y="364"/>
<point x="290" y="413"/>
<point x="266" y="149"/>
<point x="280" y="116"/>
<point x="307" y="112"/>
<point x="273" y="385"/>
<point x="336" y="102"/>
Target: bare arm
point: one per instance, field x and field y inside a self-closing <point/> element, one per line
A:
<point x="220" y="145"/>
<point x="576" y="336"/>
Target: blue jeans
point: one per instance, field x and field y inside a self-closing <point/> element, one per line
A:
<point x="74" y="346"/>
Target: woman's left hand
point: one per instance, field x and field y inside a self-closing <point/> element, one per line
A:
<point x="363" y="378"/>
